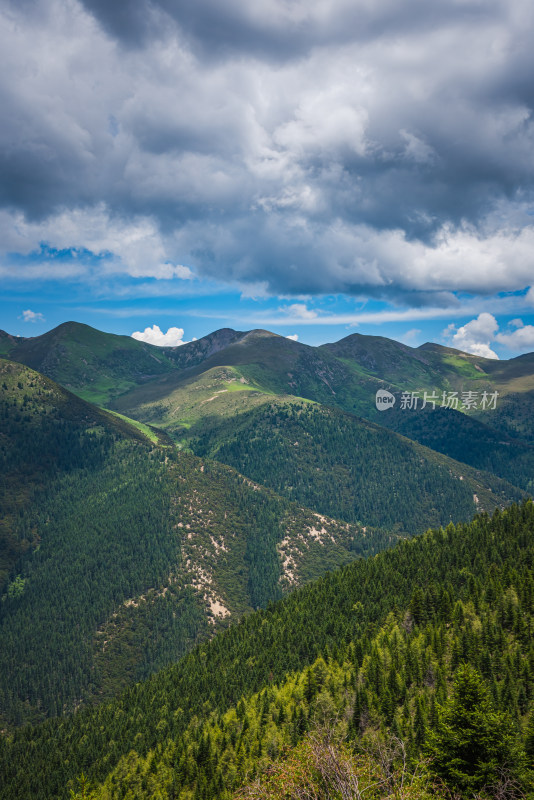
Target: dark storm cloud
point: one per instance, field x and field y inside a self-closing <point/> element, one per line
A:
<point x="309" y="146"/>
<point x="274" y="29"/>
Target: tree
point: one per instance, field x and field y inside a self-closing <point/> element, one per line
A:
<point x="473" y="746"/>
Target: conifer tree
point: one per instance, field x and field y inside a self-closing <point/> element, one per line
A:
<point x="473" y="747"/>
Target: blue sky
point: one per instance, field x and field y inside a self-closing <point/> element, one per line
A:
<point x="315" y="168"/>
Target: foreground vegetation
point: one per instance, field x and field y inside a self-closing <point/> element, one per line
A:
<point x="431" y="637"/>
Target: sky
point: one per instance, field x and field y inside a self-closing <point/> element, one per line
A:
<point x="313" y="167"/>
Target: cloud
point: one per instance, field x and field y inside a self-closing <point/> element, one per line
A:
<point x="305" y="147"/>
<point x="294" y="337"/>
<point x="410" y="336"/>
<point x="32" y="316"/>
<point x="154" y="335"/>
<point x="475" y="336"/>
<point x="300" y="312"/>
<point x="521" y="339"/>
<point x="86" y="242"/>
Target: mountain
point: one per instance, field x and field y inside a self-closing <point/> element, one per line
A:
<point x="345" y="374"/>
<point x="469" y="440"/>
<point x="412" y="652"/>
<point x="119" y="553"/>
<point x="347" y="467"/>
<point x="95" y="365"/>
<point x="230" y="373"/>
<point x="267" y="362"/>
<point x="99" y="366"/>
<point x="437" y="369"/>
<point x="45" y="431"/>
<point x="225" y="478"/>
<point x="348" y="374"/>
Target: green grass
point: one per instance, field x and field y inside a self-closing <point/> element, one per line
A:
<point x="103" y="391"/>
<point x="149" y="432"/>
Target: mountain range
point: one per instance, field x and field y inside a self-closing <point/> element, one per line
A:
<point x="152" y="497"/>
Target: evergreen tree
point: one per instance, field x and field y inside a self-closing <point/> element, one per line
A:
<point x="473" y="746"/>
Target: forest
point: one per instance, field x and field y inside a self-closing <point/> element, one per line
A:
<point x="115" y="550"/>
<point x="270" y="598"/>
<point x="425" y="641"/>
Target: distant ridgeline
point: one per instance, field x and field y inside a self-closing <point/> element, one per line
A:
<point x="417" y="662"/>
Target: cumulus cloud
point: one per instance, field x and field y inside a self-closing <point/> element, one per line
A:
<point x="475" y="336"/>
<point x="294" y="337"/>
<point x="154" y="335"/>
<point x="307" y="147"/>
<point x="31" y="316"/>
<point x="479" y="334"/>
<point x="520" y="339"/>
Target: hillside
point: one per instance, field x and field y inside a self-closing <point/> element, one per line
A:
<point x="470" y="440"/>
<point x="107" y="368"/>
<point x="347" y="467"/>
<point x="434" y="368"/>
<point x="399" y="641"/>
<point x="95" y="365"/>
<point x="211" y="383"/>
<point x="119" y="553"/>
<point x="251" y="369"/>
<point x="45" y="431"/>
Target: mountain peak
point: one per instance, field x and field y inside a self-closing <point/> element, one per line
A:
<point x="260" y="333"/>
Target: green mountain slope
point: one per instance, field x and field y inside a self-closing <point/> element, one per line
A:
<point x="347" y="375"/>
<point x="267" y="362"/>
<point x="389" y="632"/>
<point x="99" y="366"/>
<point x="469" y="440"/>
<point x="119" y="554"/>
<point x="231" y="373"/>
<point x="219" y="392"/>
<point x="93" y="364"/>
<point x="432" y="368"/>
<point x="45" y="431"/>
<point x="103" y="367"/>
<point x="349" y="468"/>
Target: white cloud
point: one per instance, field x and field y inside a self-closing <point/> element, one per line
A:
<point x="410" y="336"/>
<point x="475" y="336"/>
<point x="100" y="244"/>
<point x="294" y="337"/>
<point x="155" y="335"/>
<point x="520" y="339"/>
<point x="478" y="335"/>
<point x="32" y="316"/>
<point x="300" y="311"/>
